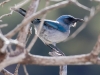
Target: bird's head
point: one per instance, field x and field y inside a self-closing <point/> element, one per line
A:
<point x="69" y="20"/>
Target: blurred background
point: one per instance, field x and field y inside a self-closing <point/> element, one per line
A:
<point x="81" y="44"/>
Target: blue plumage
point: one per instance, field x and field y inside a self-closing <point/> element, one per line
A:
<point x="55" y="25"/>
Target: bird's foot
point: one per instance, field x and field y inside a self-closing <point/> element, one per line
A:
<point x="56" y="50"/>
<point x="55" y="53"/>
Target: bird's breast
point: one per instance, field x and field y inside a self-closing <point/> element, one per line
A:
<point x="50" y="35"/>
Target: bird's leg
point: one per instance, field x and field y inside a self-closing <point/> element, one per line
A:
<point x="52" y="48"/>
<point x="56" y="49"/>
<point x="57" y="52"/>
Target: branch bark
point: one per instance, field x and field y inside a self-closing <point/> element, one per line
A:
<point x="5" y="72"/>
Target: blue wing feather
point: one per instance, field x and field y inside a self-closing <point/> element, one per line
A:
<point x="55" y="25"/>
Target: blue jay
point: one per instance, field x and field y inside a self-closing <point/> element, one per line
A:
<point x="53" y="32"/>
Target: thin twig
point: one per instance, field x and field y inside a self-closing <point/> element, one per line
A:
<point x="80" y="5"/>
<point x="16" y="70"/>
<point x="5" y="72"/>
<point x="2" y="3"/>
<point x="6" y="15"/>
<point x="93" y="12"/>
<point x="19" y="5"/>
<point x="0" y="20"/>
<point x="25" y="70"/>
<point x="7" y="42"/>
<point x="10" y="48"/>
<point x="3" y="25"/>
<point x="63" y="68"/>
<point x="39" y="29"/>
<point x="22" y="36"/>
<point x="29" y="34"/>
<point x="15" y="7"/>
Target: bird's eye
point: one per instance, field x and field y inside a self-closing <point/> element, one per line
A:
<point x="68" y="20"/>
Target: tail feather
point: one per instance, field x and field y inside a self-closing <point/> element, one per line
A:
<point x="23" y="13"/>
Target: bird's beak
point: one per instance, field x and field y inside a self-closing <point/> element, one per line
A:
<point x="77" y="20"/>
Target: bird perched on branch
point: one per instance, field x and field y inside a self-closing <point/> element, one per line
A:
<point x="53" y="32"/>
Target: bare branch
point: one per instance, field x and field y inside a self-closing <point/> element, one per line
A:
<point x="22" y="36"/>
<point x="39" y="29"/>
<point x="9" y="59"/>
<point x="0" y="20"/>
<point x="6" y="15"/>
<point x="2" y="3"/>
<point x="5" y="72"/>
<point x="96" y="49"/>
<point x="3" y="25"/>
<point x="16" y="70"/>
<point x="63" y="60"/>
<point x="80" y="5"/>
<point x="19" y="5"/>
<point x="63" y="69"/>
<point x="44" y="60"/>
<point x="7" y="42"/>
<point x="25" y="70"/>
<point x="27" y="58"/>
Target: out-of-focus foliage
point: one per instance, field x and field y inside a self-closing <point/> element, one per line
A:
<point x="82" y="43"/>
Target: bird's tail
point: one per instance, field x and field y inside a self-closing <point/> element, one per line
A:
<point x="21" y="11"/>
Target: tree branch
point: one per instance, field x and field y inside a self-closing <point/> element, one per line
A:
<point x="5" y="72"/>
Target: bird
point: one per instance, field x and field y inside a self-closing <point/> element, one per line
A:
<point x="53" y="32"/>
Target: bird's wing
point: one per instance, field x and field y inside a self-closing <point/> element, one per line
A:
<point x="50" y="23"/>
<point x="54" y="24"/>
